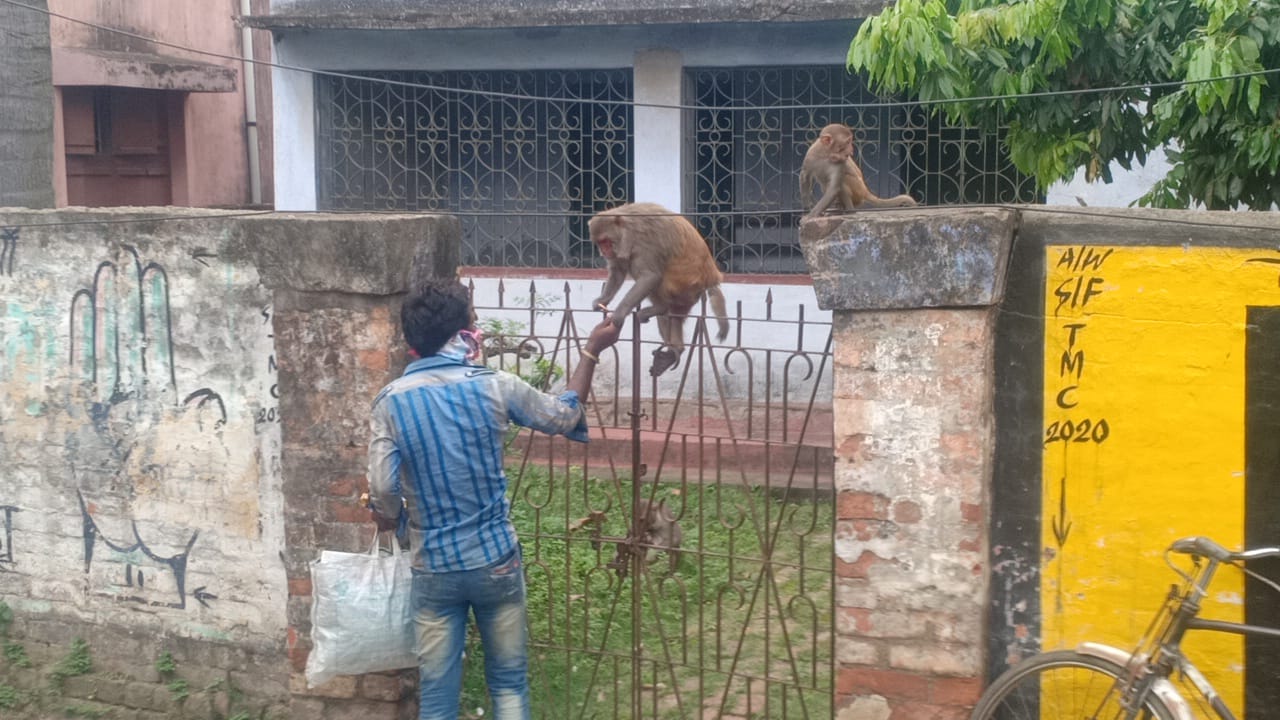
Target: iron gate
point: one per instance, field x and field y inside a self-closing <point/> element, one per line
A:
<point x="734" y="446"/>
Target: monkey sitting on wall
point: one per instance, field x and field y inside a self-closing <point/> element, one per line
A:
<point x="829" y="162"/>
<point x="671" y="266"/>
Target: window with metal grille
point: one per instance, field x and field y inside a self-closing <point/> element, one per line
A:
<point x="524" y="169"/>
<point x="748" y="134"/>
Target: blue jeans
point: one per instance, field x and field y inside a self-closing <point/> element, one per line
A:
<point x="440" y="604"/>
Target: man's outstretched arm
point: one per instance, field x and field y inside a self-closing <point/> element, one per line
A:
<point x="563" y="414"/>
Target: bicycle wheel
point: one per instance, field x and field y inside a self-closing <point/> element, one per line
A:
<point x="1060" y="685"/>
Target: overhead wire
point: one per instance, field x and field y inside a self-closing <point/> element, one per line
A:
<point x="1114" y="214"/>
<point x="634" y="103"/>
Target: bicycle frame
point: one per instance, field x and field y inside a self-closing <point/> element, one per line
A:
<point x="1159" y="654"/>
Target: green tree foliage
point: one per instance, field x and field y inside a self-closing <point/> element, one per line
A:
<point x="1224" y="134"/>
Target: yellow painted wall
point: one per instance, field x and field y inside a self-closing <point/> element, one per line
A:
<point x="1155" y="372"/>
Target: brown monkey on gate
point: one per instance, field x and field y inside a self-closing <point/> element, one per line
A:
<point x="830" y="163"/>
<point x="671" y="265"/>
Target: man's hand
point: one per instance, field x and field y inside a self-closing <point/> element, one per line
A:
<point x="603" y="336"/>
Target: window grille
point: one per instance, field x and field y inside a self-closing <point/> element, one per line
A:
<point x="526" y="175"/>
<point x="540" y="167"/>
<point x="743" y="187"/>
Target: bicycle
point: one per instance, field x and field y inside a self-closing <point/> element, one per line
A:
<point x="1101" y="681"/>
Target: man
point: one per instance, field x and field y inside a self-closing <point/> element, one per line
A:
<point x="435" y="472"/>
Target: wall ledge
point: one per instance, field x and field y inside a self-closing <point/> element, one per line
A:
<point x="909" y="259"/>
<point x="371" y="254"/>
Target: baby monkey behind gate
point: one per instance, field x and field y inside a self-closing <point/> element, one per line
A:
<point x="658" y="531"/>
<point x="671" y="266"/>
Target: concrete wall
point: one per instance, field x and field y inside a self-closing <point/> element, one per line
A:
<point x="1029" y="407"/>
<point x="182" y="409"/>
<point x="26" y="108"/>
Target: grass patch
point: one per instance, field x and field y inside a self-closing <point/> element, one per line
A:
<point x="178" y="688"/>
<point x="16" y="655"/>
<point x="709" y="633"/>
<point x="165" y="664"/>
<point x="84" y="711"/>
<point x="9" y="697"/>
<point x="76" y="662"/>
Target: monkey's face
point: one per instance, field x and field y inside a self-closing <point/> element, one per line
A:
<point x="841" y="148"/>
<point x="604" y="236"/>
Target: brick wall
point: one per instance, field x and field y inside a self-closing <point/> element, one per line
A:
<point x="914" y="297"/>
<point x="337" y="333"/>
<point x="328" y="388"/>
<point x="911" y="430"/>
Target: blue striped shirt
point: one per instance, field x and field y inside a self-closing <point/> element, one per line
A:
<point x="437" y="440"/>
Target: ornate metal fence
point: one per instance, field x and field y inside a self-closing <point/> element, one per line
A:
<point x="735" y="445"/>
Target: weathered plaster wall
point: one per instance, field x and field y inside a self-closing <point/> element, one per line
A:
<point x="1030" y="405"/>
<point x="913" y="296"/>
<point x="181" y="428"/>
<point x="135" y="374"/>
<point x="141" y="473"/>
<point x="411" y="14"/>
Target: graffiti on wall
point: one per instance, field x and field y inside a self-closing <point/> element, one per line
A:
<point x="134" y="572"/>
<point x="122" y="328"/>
<point x="123" y="355"/>
<point x="1144" y="433"/>
<point x="122" y="346"/>
<point x="6" y="537"/>
<point x="8" y="249"/>
<point x="267" y="411"/>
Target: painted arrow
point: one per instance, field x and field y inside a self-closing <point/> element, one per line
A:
<point x="201" y="596"/>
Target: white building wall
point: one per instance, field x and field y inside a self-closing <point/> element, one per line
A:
<point x="1124" y="189"/>
<point x="657" y="56"/>
<point x="294" y="131"/>
<point x="657" y="79"/>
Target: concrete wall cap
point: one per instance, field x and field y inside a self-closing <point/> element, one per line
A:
<point x="920" y="258"/>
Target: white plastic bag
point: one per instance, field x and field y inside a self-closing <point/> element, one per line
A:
<point x="361" y="619"/>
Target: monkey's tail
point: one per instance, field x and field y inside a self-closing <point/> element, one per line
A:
<point x="722" y="315"/>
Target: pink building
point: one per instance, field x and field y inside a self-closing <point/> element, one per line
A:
<point x="140" y="123"/>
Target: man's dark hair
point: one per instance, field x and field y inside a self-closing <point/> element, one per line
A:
<point x="435" y="313"/>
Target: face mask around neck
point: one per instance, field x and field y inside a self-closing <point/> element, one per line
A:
<point x="467" y="345"/>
